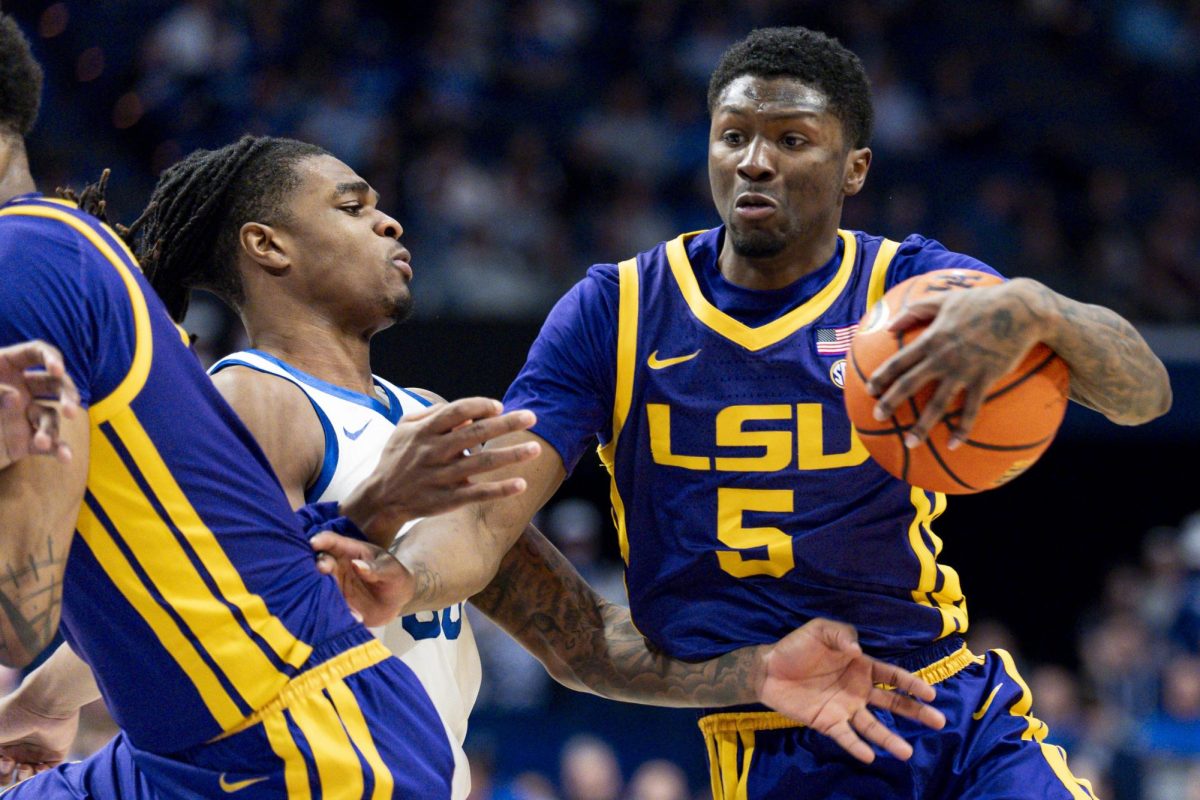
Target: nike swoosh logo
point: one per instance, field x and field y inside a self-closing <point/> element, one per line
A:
<point x="357" y="433"/>
<point x="654" y="363"/>
<point x="237" y="786"/>
<point x="978" y="715"/>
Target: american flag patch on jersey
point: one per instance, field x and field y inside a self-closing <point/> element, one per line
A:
<point x="835" y="341"/>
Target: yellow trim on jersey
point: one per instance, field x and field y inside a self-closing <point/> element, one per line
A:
<point x="295" y="768"/>
<point x="121" y="573"/>
<point x="57" y="201"/>
<point x="356" y="725"/>
<point x="324" y="675"/>
<point x="627" y="331"/>
<point x="339" y="771"/>
<point x="229" y="581"/>
<point x="167" y="565"/>
<point x="775" y="331"/>
<point x="949" y="599"/>
<point x="103" y="409"/>
<point x="879" y="269"/>
<point x="1036" y="730"/>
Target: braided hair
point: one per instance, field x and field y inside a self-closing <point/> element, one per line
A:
<point x="188" y="236"/>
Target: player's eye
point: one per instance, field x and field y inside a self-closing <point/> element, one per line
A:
<point x="353" y="209"/>
<point x="732" y="138"/>
<point x="794" y="140"/>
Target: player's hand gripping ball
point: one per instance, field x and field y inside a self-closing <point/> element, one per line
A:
<point x="1018" y="420"/>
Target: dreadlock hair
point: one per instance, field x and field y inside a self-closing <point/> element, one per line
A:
<point x="810" y="57"/>
<point x="20" y="81"/>
<point x="188" y="236"/>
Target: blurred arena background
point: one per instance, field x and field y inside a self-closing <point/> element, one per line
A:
<point x="518" y="142"/>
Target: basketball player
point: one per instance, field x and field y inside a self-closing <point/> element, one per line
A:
<point x="744" y="502"/>
<point x="230" y="664"/>
<point x="307" y="394"/>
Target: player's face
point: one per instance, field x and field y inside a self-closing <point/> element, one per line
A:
<point x="778" y="164"/>
<point x="346" y="251"/>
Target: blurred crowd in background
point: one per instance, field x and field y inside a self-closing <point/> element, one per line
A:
<point x="519" y="142"/>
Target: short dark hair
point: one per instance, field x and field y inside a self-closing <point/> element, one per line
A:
<point x="20" y="80"/>
<point x="810" y="57"/>
<point x="188" y="235"/>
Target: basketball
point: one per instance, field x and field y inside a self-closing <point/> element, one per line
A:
<point x="1019" y="418"/>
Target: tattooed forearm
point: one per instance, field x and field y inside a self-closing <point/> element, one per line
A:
<point x="30" y="604"/>
<point x="591" y="645"/>
<point x="1113" y="370"/>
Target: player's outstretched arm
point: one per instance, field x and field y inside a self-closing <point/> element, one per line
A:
<point x="38" y="721"/>
<point x="978" y="336"/>
<point x="35" y="395"/>
<point x="817" y="675"/>
<point x="444" y="559"/>
<point x="39" y="505"/>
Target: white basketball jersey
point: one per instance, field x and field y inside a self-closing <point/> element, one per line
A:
<point x="437" y="645"/>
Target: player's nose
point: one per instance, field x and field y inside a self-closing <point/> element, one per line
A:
<point x="756" y="163"/>
<point x="389" y="227"/>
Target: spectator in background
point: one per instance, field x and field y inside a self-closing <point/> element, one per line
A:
<point x="657" y="780"/>
<point x="589" y="770"/>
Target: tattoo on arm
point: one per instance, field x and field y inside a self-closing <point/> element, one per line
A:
<point x="591" y="645"/>
<point x="1113" y="370"/>
<point x="30" y="604"/>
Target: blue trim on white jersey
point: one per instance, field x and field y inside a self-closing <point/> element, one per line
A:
<point x="425" y="401"/>
<point x="391" y="411"/>
<point x="329" y="463"/>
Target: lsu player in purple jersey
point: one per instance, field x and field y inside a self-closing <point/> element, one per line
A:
<point x="307" y="394"/>
<point x="709" y="369"/>
<point x="230" y="664"/>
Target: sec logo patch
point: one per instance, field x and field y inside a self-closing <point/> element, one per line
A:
<point x="837" y="373"/>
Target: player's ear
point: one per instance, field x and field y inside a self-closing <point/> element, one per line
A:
<point x="858" y="162"/>
<point x="261" y="242"/>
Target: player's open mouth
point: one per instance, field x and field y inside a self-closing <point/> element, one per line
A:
<point x="754" y="206"/>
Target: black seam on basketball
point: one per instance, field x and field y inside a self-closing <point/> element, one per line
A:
<point x="946" y="467"/>
<point x="1005" y="447"/>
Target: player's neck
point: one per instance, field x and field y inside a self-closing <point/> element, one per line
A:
<point x="312" y="347"/>
<point x="800" y="258"/>
<point x="15" y="178"/>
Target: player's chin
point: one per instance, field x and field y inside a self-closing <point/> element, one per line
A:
<point x="401" y="306"/>
<point x="755" y="242"/>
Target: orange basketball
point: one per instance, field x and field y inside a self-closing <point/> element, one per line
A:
<point x="1018" y="420"/>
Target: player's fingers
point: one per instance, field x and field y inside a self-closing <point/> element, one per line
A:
<point x="904" y="706"/>
<point x="932" y="413"/>
<point x="45" y="428"/>
<point x="488" y="490"/>
<point x="491" y="458"/>
<point x="341" y="547"/>
<point x="326" y="564"/>
<point x="448" y="416"/>
<point x="24" y="772"/>
<point x="898" y="364"/>
<point x="879" y="734"/>
<point x="7" y="765"/>
<point x="891" y="675"/>
<point x="849" y="741"/>
<point x="35" y="353"/>
<point x="972" y="404"/>
<point x="473" y="434"/>
<point x="915" y="313"/>
<point x="902" y="389"/>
